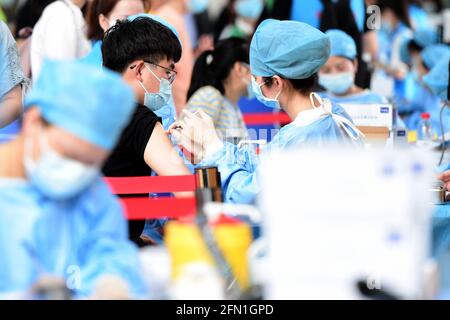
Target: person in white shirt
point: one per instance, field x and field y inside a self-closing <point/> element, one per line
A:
<point x="60" y="34"/>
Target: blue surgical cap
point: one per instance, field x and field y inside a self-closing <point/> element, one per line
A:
<point x="341" y="44"/>
<point x="158" y="19"/>
<point x="437" y="79"/>
<point x="423" y="37"/>
<point x="92" y="103"/>
<point x="291" y="49"/>
<point x="432" y="55"/>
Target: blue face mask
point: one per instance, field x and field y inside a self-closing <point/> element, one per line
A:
<point x="197" y="6"/>
<point x="337" y="83"/>
<point x="251" y="9"/>
<point x="271" y="103"/>
<point x="155" y="101"/>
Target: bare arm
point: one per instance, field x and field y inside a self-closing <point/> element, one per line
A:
<point x="163" y="158"/>
<point x="10" y="106"/>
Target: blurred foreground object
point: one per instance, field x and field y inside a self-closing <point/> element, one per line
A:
<point x="359" y="225"/>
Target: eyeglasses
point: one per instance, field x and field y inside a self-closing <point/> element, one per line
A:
<point x="171" y="74"/>
<point x="262" y="84"/>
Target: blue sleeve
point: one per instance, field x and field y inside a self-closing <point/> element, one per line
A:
<point x="106" y="249"/>
<point x="237" y="167"/>
<point x="167" y="114"/>
<point x="11" y="73"/>
<point x="441" y="229"/>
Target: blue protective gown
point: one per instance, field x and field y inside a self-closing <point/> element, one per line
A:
<point x="95" y="57"/>
<point x="39" y="236"/>
<point x="403" y="89"/>
<point x="238" y="167"/>
<point x="310" y="12"/>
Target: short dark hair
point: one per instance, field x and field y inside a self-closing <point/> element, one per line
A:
<point x="304" y="86"/>
<point x="141" y="38"/>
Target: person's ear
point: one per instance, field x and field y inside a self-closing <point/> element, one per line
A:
<point x="237" y="70"/>
<point x="103" y="22"/>
<point x="138" y="69"/>
<point x="277" y="83"/>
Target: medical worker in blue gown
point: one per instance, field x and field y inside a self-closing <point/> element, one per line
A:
<point x="285" y="57"/>
<point x="426" y="100"/>
<point x="57" y="215"/>
<point x="337" y="76"/>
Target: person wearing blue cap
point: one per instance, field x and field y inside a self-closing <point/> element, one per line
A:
<point x="438" y="78"/>
<point x="412" y="47"/>
<point x="57" y="215"/>
<point x="390" y="76"/>
<point x="144" y="51"/>
<point x="410" y="51"/>
<point x="337" y="76"/>
<point x="426" y="100"/>
<point x="285" y="57"/>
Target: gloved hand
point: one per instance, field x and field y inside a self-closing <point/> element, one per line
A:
<point x="197" y="134"/>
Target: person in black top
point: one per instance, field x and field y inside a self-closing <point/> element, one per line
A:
<point x="144" y="51"/>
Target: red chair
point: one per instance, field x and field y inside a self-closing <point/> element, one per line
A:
<point x="140" y="208"/>
<point x="257" y="119"/>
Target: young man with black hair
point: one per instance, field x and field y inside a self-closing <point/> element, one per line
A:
<point x="144" y="51"/>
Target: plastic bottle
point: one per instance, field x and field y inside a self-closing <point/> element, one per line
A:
<point x="425" y="130"/>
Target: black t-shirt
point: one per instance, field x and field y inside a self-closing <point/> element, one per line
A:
<point x="127" y="159"/>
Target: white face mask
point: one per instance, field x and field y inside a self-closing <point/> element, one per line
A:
<point x="55" y="176"/>
<point x="338" y="83"/>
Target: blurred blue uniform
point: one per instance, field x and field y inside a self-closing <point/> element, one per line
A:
<point x="51" y="225"/>
<point x="310" y="12"/>
<point x="441" y="229"/>
<point x="95" y="57"/>
<point x="419" y="17"/>
<point x="38" y="235"/>
<point x="238" y="167"/>
<point x="403" y="89"/>
<point x="426" y="101"/>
